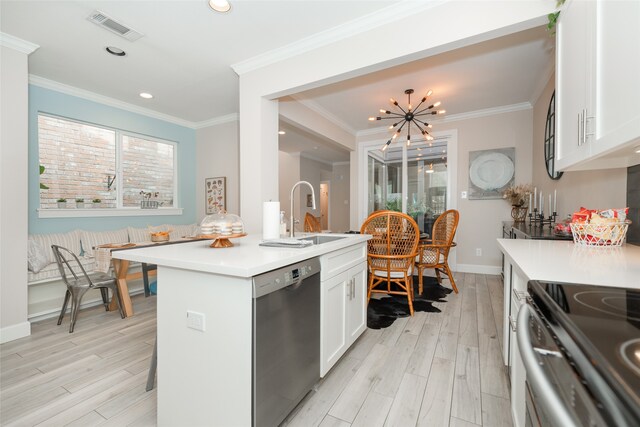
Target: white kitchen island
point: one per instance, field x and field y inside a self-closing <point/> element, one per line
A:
<point x="554" y="261"/>
<point x="205" y="376"/>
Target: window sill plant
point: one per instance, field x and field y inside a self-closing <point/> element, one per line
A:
<point x="80" y="203"/>
<point x="62" y="203"/>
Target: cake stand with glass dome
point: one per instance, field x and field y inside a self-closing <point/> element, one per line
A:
<point x="222" y="227"/>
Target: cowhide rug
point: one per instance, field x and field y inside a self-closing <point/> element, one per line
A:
<point x="382" y="312"/>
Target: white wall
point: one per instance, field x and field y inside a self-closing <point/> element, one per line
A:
<point x="289" y="174"/>
<point x="339" y="198"/>
<point x="313" y="172"/>
<point x="13" y="193"/>
<point x="595" y="189"/>
<point x="217" y="155"/>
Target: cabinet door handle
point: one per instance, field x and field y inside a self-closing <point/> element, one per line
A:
<point x="513" y="324"/>
<point x="353" y="288"/>
<point x="584" y="126"/>
<point x="579" y="129"/>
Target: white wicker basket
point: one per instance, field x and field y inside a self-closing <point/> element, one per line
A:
<point x="599" y="234"/>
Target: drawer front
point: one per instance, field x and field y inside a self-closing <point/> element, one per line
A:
<point x="335" y="262"/>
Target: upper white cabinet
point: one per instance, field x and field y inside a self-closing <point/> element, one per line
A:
<point x="597" y="84"/>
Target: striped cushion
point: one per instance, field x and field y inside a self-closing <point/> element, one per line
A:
<point x="137" y="235"/>
<point x="179" y="231"/>
<point x="94" y="238"/>
<point x="70" y="240"/>
<point x="51" y="271"/>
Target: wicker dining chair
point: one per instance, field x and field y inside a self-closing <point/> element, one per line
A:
<point x="312" y="223"/>
<point x="434" y="253"/>
<point x="79" y="282"/>
<point x="391" y="253"/>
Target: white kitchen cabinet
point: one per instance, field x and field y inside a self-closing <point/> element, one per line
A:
<point x="515" y="289"/>
<point x="597" y="88"/>
<point x="343" y="304"/>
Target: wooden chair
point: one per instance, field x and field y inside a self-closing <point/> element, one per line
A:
<point x="312" y="223"/>
<point x="434" y="253"/>
<point x="78" y="283"/>
<point x="391" y="253"/>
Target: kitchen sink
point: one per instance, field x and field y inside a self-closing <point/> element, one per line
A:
<point x="318" y="240"/>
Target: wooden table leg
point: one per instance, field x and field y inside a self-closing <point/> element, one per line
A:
<point x="121" y="268"/>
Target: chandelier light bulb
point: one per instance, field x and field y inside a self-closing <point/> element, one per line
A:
<point x="442" y="111"/>
<point x="410" y="115"/>
<point x="372" y="119"/>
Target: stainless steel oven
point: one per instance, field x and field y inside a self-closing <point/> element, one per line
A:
<point x="572" y="354"/>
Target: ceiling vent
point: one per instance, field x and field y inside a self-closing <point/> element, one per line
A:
<point x="108" y="23"/>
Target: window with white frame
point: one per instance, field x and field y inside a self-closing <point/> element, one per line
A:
<point x="90" y="163"/>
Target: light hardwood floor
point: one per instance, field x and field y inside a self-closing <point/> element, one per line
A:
<point x="433" y="369"/>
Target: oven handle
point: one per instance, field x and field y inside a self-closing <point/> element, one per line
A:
<point x="555" y="409"/>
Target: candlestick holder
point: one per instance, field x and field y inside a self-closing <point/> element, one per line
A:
<point x="537" y="219"/>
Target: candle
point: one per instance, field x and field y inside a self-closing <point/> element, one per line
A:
<point x="555" y="201"/>
<point x="535" y="197"/>
<point x="550" y="210"/>
<point x="529" y="203"/>
<point x="541" y="202"/>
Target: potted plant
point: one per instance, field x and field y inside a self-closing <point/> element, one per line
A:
<point x="518" y="196"/>
<point x="96" y="202"/>
<point x="80" y="203"/>
<point x="62" y="203"/>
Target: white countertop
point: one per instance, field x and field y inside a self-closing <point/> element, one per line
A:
<point x="564" y="261"/>
<point x="244" y="259"/>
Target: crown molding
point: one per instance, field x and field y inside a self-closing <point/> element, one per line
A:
<point x="462" y="116"/>
<point x="233" y="117"/>
<point x="105" y="100"/>
<point x="315" y="107"/>
<point x="348" y="29"/>
<point x="316" y="159"/>
<point x="7" y="40"/>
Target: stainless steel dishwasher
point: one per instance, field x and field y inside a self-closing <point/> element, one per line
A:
<point x="286" y="339"/>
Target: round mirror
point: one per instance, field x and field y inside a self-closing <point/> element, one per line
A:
<point x="550" y="140"/>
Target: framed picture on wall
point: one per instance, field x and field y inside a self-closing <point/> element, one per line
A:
<point x="491" y="172"/>
<point x="215" y="194"/>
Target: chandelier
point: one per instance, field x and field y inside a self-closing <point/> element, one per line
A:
<point x="409" y="116"/>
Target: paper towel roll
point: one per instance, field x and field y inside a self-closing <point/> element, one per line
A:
<point x="270" y="220"/>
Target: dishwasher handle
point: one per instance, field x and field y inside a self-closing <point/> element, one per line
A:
<point x="536" y="376"/>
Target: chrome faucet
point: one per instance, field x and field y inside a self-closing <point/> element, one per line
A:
<point x="313" y="200"/>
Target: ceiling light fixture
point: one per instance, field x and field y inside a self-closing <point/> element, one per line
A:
<point x="637" y="149"/>
<point x="409" y="116"/>
<point x="281" y="132"/>
<point x="221" y="6"/>
<point x="145" y="95"/>
<point x="116" y="51"/>
<point x="430" y="170"/>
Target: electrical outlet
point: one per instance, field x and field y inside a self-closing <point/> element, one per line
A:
<point x="463" y="195"/>
<point x="195" y="320"/>
<point x="478" y="251"/>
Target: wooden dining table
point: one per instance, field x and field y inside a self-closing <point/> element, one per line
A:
<point x="121" y="270"/>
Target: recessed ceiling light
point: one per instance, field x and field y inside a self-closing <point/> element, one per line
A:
<point x="637" y="149"/>
<point x="145" y="95"/>
<point x="220" y="5"/>
<point x="115" y="51"/>
<point x="281" y="132"/>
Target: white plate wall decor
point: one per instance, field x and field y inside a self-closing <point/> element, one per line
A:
<point x="491" y="172"/>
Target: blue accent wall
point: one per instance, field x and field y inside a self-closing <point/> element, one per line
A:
<point x="60" y="104"/>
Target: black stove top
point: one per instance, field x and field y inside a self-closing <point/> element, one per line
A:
<point x="604" y="322"/>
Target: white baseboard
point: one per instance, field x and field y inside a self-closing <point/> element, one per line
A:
<point x="479" y="269"/>
<point x="14" y="332"/>
<point x="55" y="312"/>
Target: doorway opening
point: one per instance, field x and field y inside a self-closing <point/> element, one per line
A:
<point x="324" y="204"/>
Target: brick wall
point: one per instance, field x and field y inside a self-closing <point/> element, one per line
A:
<point x="78" y="159"/>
